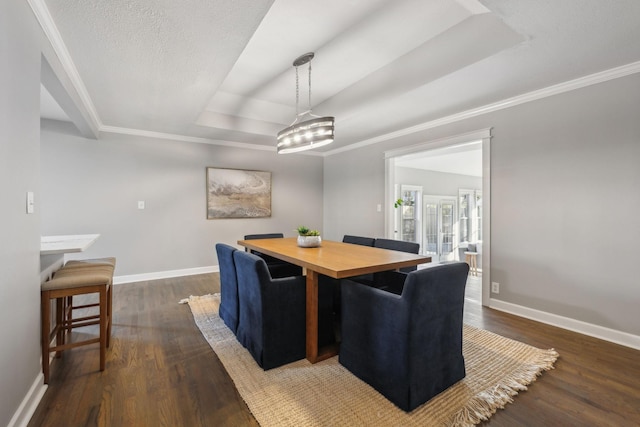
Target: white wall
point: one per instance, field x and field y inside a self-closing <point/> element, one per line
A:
<point x="19" y="232"/>
<point x="93" y="186"/>
<point x="564" y="200"/>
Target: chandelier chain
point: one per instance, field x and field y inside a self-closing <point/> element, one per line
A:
<point x="309" y="85"/>
<point x="297" y="92"/>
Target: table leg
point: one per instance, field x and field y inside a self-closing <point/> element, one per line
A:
<point x="314" y="353"/>
<point x="312" y="316"/>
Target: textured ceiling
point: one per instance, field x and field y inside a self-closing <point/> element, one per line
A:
<point x="222" y="70"/>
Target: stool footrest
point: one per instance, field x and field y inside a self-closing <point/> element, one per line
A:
<point x="74" y="344"/>
<point x="81" y="322"/>
<point x="76" y="307"/>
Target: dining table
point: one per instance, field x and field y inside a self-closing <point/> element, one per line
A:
<point x="334" y="259"/>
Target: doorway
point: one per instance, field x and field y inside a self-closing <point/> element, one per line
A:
<point x="440" y="236"/>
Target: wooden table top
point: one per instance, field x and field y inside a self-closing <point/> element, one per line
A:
<point x="335" y="259"/>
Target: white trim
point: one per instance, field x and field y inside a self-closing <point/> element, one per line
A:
<point x="30" y="403"/>
<point x="469" y="137"/>
<point x="184" y="138"/>
<point x="486" y="221"/>
<point x="570" y="85"/>
<point x="195" y="139"/>
<point x="596" y="331"/>
<point x="41" y="11"/>
<point x="117" y="280"/>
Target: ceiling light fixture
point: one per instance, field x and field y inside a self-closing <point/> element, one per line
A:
<point x="312" y="133"/>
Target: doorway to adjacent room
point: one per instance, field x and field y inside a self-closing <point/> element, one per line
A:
<point x="437" y="195"/>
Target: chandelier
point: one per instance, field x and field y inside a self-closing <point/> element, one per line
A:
<point x="311" y="133"/>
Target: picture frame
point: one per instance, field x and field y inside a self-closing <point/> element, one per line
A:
<point x="238" y="193"/>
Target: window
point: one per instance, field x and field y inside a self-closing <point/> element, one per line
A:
<point x="470" y="215"/>
<point x="478" y="228"/>
<point x="463" y="203"/>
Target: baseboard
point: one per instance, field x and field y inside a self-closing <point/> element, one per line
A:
<point x="29" y="403"/>
<point x="607" y="334"/>
<point x="164" y="274"/>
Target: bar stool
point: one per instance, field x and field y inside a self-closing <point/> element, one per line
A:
<point x="471" y="258"/>
<point x="76" y="278"/>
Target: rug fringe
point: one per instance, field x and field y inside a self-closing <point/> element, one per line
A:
<point x="484" y="404"/>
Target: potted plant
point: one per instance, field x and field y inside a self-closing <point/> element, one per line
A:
<point x="308" y="238"/>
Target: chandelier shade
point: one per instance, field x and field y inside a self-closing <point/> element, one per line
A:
<point x="305" y="135"/>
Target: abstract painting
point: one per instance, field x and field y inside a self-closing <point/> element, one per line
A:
<point x="235" y="193"/>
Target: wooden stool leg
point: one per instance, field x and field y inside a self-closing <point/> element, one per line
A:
<point x="45" y="313"/>
<point x="60" y="319"/>
<point x="103" y="326"/>
<point x="109" y="312"/>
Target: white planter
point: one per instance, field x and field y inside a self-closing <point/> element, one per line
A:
<point x="309" y="241"/>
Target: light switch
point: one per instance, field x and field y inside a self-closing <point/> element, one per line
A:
<point x="379" y="208"/>
<point x="140" y="204"/>
<point x="30" y="202"/>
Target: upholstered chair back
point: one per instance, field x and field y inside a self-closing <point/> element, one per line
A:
<point x="272" y="322"/>
<point x="277" y="267"/>
<point x="358" y="240"/>
<point x="399" y="245"/>
<point x="228" y="286"/>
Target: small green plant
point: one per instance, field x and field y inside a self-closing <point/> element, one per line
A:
<point x="304" y="231"/>
<point x="398" y="203"/>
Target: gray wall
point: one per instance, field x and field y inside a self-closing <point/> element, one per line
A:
<point x="19" y="232"/>
<point x="437" y="183"/>
<point x="564" y="200"/>
<point x="352" y="193"/>
<point x="91" y="186"/>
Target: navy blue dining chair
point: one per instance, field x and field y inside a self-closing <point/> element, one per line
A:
<point x="408" y="346"/>
<point x="228" y="310"/>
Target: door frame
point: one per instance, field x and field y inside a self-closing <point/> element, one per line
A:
<point x="483" y="135"/>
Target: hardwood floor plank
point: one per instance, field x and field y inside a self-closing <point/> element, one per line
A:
<point x="161" y="371"/>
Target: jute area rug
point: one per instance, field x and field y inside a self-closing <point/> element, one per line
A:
<point x="327" y="394"/>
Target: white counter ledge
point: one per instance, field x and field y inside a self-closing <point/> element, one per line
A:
<point x="53" y="249"/>
<point x="66" y="244"/>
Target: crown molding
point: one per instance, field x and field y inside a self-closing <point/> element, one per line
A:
<point x="581" y="82"/>
<point x="184" y="138"/>
<point x="41" y="11"/>
<point x="195" y="139"/>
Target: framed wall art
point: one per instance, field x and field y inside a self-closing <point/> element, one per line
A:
<point x="235" y="193"/>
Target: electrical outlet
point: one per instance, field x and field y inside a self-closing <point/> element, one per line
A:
<point x="140" y="204"/>
<point x="495" y="287"/>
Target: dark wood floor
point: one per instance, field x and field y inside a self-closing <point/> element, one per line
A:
<point x="161" y="371"/>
